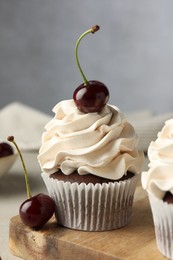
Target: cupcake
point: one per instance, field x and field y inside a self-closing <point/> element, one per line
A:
<point x="158" y="182"/>
<point x="90" y="165"/>
<point x="89" y="159"/>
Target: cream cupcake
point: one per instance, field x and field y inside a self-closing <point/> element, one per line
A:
<point x="158" y="182"/>
<point x="90" y="165"/>
<point x="89" y="159"/>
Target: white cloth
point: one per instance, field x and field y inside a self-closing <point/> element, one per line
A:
<point x="27" y="124"/>
<point x="24" y="123"/>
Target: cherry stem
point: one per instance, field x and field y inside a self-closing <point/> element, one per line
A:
<point x="11" y="139"/>
<point x="91" y="30"/>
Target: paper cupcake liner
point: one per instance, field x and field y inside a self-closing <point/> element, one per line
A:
<point x="163" y="223"/>
<point x="92" y="207"/>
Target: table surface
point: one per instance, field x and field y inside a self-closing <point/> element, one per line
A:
<point x="12" y="194"/>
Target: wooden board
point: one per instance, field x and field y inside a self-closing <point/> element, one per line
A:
<point x="135" y="241"/>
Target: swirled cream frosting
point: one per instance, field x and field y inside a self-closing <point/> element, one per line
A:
<point x="103" y="144"/>
<point x="159" y="178"/>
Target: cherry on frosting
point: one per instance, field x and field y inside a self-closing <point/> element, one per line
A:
<point x="91" y="96"/>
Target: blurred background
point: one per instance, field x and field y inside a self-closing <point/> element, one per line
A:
<point x="132" y="53"/>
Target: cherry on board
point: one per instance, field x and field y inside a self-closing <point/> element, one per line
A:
<point x="36" y="210"/>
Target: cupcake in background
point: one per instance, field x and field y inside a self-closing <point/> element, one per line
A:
<point x="158" y="182"/>
<point x="90" y="165"/>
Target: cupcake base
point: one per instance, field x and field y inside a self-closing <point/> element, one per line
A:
<point x="163" y="223"/>
<point x="92" y="207"/>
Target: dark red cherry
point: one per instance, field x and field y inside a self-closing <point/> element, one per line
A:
<point x="91" y="97"/>
<point x="5" y="149"/>
<point x="37" y="210"/>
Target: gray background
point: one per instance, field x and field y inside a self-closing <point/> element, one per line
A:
<point x="132" y="53"/>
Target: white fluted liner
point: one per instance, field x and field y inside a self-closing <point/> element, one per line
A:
<point x="92" y="207"/>
<point x="163" y="222"/>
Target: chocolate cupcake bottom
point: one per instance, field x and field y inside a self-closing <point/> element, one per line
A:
<point x="92" y="207"/>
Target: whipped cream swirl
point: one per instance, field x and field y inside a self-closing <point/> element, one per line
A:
<point x="103" y="144"/>
<point x="159" y="178"/>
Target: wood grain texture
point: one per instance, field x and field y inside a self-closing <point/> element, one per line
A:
<point x="135" y="241"/>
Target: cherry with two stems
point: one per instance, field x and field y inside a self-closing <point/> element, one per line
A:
<point x="36" y="210"/>
<point x="91" y="96"/>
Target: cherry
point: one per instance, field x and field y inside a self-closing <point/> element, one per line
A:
<point x="5" y="149"/>
<point x="91" y="96"/>
<point x="36" y="210"/>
